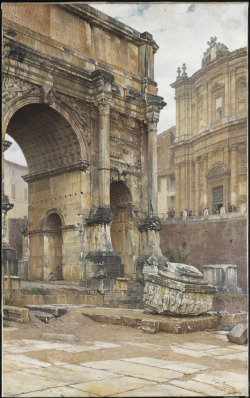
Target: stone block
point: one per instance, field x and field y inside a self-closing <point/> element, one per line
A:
<point x="15" y="314"/>
<point x="59" y="337"/>
<point x="234" y="318"/>
<point x="54" y="310"/>
<point x="150" y="326"/>
<point x="238" y="334"/>
<point x="43" y="316"/>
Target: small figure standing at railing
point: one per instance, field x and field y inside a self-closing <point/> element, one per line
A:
<point x="185" y="214"/>
<point x="206" y="213"/>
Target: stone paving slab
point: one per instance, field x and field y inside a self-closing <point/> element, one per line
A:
<point x="120" y="385"/>
<point x="203" y="388"/>
<point x="135" y="370"/>
<point x="179" y="366"/>
<point x="225" y="380"/>
<point x="22" y="361"/>
<point x="71" y="374"/>
<point x="59" y="392"/>
<point x="22" y="382"/>
<point x="161" y="391"/>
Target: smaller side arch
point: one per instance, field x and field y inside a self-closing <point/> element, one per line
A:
<point x="45" y="220"/>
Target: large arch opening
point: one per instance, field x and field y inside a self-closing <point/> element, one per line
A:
<point x="45" y="137"/>
<point x="121" y="227"/>
<point x="56" y="156"/>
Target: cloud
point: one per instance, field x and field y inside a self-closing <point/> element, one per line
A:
<point x="140" y="10"/>
<point x="191" y="8"/>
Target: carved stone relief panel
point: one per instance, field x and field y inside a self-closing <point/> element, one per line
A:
<point x="125" y="139"/>
<point x="14" y="88"/>
<point x="81" y="110"/>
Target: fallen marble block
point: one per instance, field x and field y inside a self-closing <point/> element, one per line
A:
<point x="238" y="334"/>
<point x="178" y="289"/>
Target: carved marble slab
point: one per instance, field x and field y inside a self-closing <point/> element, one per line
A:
<point x="178" y="289"/>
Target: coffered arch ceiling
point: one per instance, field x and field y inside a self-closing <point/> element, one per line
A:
<point x="45" y="137"/>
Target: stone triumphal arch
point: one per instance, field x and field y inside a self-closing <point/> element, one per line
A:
<point x="79" y="97"/>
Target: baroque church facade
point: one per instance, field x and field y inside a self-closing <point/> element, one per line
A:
<point x="208" y="149"/>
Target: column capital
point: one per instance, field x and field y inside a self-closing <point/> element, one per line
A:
<point x="152" y="125"/>
<point x="104" y="104"/>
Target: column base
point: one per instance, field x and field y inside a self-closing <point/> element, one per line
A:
<point x="104" y="264"/>
<point x="152" y="222"/>
<point x="103" y="215"/>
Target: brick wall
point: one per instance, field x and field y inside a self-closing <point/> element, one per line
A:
<point x="208" y="242"/>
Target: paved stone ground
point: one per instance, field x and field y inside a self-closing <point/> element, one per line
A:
<point x="119" y="361"/>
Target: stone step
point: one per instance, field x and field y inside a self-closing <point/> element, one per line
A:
<point x="52" y="309"/>
<point x="16" y="314"/>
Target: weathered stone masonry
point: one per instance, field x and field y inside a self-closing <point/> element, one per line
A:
<point x="80" y="99"/>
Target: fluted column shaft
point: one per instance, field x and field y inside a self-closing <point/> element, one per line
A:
<point x="104" y="155"/>
<point x="152" y="168"/>
<point x="234" y="182"/>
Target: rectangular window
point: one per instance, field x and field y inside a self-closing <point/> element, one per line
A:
<point x="218" y="108"/>
<point x="170" y="183"/>
<point x="170" y="202"/>
<point x="13" y="191"/>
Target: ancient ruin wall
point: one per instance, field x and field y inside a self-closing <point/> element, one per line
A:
<point x="207" y="242"/>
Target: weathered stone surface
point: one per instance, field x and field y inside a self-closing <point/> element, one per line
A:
<point x="178" y="289"/>
<point x="54" y="310"/>
<point x="238" y="334"/>
<point x="59" y="337"/>
<point x="16" y="314"/>
<point x="150" y="326"/>
<point x="43" y="316"/>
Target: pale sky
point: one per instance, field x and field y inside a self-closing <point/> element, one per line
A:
<point x="181" y="30"/>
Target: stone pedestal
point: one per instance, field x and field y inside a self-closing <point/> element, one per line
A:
<point x="178" y="289"/>
<point x="9" y="260"/>
<point x="223" y="277"/>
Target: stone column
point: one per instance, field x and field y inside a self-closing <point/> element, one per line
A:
<point x="152" y="168"/>
<point x="177" y="190"/>
<point x="234" y="170"/>
<point x="102" y="261"/>
<point x="197" y="187"/>
<point x="23" y="264"/>
<point x="205" y="201"/>
<point x="104" y="155"/>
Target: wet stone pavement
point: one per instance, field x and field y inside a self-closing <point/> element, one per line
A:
<point x="123" y="362"/>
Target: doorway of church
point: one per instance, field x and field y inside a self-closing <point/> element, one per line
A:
<point x="217" y="195"/>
